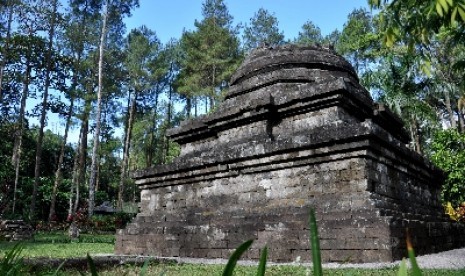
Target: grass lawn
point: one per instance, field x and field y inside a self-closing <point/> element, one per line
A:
<point x="58" y="245"/>
<point x="201" y="270"/>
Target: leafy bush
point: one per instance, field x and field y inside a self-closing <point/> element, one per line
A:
<point x="457" y="214"/>
<point x="448" y="153"/>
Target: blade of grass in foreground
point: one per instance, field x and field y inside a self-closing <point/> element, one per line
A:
<point x="262" y="263"/>
<point x="228" y="270"/>
<point x="411" y="254"/>
<point x="403" y="268"/>
<point x="143" y="271"/>
<point x="12" y="262"/>
<point x="57" y="271"/>
<point x="93" y="269"/>
<point x="315" y="243"/>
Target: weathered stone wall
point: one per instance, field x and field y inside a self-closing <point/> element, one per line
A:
<point x="15" y="230"/>
<point x="296" y="131"/>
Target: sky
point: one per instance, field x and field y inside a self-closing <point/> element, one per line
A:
<point x="168" y="18"/>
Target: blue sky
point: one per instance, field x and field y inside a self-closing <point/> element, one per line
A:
<point x="168" y="18"/>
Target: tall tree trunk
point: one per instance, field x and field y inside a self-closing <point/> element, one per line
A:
<point x="127" y="143"/>
<point x="5" y="49"/>
<point x="461" y="120"/>
<point x="81" y="178"/>
<point x="150" y="150"/>
<point x="168" y="122"/>
<point x="188" y="106"/>
<point x="457" y="111"/>
<point x="416" y="134"/>
<point x="57" y="182"/>
<point x="213" y="95"/>
<point x="17" y="148"/>
<point x="195" y="101"/>
<point x="449" y="109"/>
<point x="43" y="112"/>
<point x="94" y="165"/>
<point x="79" y="165"/>
<point x="74" y="180"/>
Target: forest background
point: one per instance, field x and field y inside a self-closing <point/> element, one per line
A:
<point x="72" y="65"/>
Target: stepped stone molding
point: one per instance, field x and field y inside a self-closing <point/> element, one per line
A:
<point x="295" y="131"/>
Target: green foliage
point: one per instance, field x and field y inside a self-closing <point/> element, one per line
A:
<point x="359" y="42"/>
<point x="448" y="153"/>
<point x="310" y="34"/>
<point x="417" y="21"/>
<point x="263" y="30"/>
<point x="12" y="262"/>
<point x="210" y="56"/>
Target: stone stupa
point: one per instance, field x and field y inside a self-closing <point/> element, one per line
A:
<point x="296" y="131"/>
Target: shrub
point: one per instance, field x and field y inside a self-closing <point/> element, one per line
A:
<point x="448" y="153"/>
<point x="457" y="214"/>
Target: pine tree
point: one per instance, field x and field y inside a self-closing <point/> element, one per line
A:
<point x="263" y="30"/>
<point x="211" y="54"/>
<point x="142" y="46"/>
<point x="113" y="12"/>
<point x="310" y="34"/>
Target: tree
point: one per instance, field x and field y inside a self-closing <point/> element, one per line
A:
<point x="52" y="16"/>
<point x="4" y="53"/>
<point x="142" y="45"/>
<point x="263" y="30"/>
<point x="310" y="34"/>
<point x="80" y="38"/>
<point x="29" y="49"/>
<point x="448" y="153"/>
<point x="447" y="88"/>
<point x="113" y="11"/>
<point x="416" y="21"/>
<point x="211" y="54"/>
<point x="359" y="42"/>
<point x="333" y="38"/>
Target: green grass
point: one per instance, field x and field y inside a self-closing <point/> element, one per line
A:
<point x="201" y="270"/>
<point x="60" y="237"/>
<point x="59" y="245"/>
